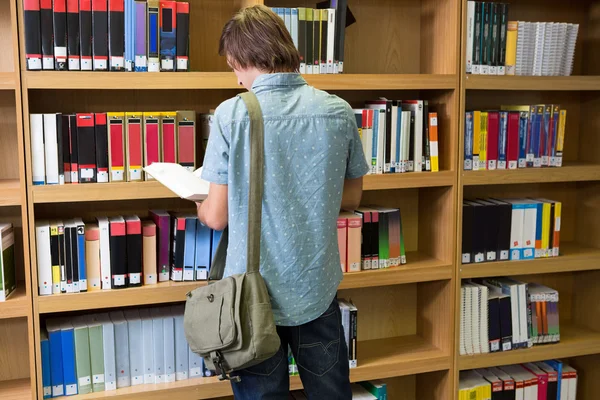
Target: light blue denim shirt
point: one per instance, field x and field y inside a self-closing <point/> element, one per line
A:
<point x="311" y="145"/>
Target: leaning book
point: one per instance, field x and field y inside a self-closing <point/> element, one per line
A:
<point x="7" y="261"/>
<point x="187" y="185"/>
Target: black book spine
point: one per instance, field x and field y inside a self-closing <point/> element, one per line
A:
<point x="340" y="29"/>
<point x="73" y="35"/>
<point x="411" y="143"/>
<point x="118" y="254"/>
<point x="134" y="252"/>
<point x="86" y="150"/>
<point x="116" y="35"/>
<point x="59" y="9"/>
<point x="85" y="34"/>
<point x="74" y="257"/>
<point x="477" y="34"/>
<point x="426" y="148"/>
<point x="324" y="23"/>
<point x="309" y="40"/>
<point x="486" y="34"/>
<point x="316" y="41"/>
<point x="388" y="137"/>
<point x="73" y="148"/>
<point x="503" y="26"/>
<point x="64" y="148"/>
<point x="100" y="35"/>
<point x="494" y="34"/>
<point x="302" y="38"/>
<point x="60" y="150"/>
<point x="68" y="259"/>
<point x="183" y="34"/>
<point x="47" y="29"/>
<point x="375" y="239"/>
<point x="54" y="256"/>
<point x="467" y="234"/>
<point x="33" y="43"/>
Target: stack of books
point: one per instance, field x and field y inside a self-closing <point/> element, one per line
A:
<point x="109" y="351"/>
<point x="318" y="34"/>
<point x="496" y="46"/>
<point x="109" y="147"/>
<point x="107" y="35"/>
<point x="515" y="137"/>
<point x="120" y="252"/>
<point x="551" y="379"/>
<point x="503" y="314"/>
<point x="398" y="136"/>
<point x="8" y="279"/>
<point x="510" y="229"/>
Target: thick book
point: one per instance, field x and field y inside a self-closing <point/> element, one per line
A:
<point x="44" y="257"/>
<point x="182" y="182"/>
<point x="186" y="139"/>
<point x="92" y="256"/>
<point x="101" y="137"/>
<point x="118" y="252"/>
<point x="33" y="34"/>
<point x="202" y="257"/>
<point x="47" y="30"/>
<point x="86" y="141"/>
<point x="149" y="252"/>
<point x="169" y="137"/>
<point x="82" y="355"/>
<point x="183" y="36"/>
<point x="46" y="366"/>
<point x="162" y="219"/>
<point x="8" y="282"/>
<point x="100" y="35"/>
<point x="168" y="35"/>
<point x="116" y="35"/>
<point x="85" y="34"/>
<point x="116" y="146"/>
<point x="153" y="37"/>
<point x="129" y="35"/>
<point x="133" y="147"/>
<point x="73" y="148"/>
<point x="59" y="21"/>
<point x="151" y="141"/>
<point x="73" y="32"/>
<point x="134" y="250"/>
<point x="141" y="36"/>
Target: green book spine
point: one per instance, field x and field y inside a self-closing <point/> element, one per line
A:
<point x="7" y="261"/>
<point x="402" y="250"/>
<point x="82" y="360"/>
<point x="97" y="358"/>
<point x="384" y="241"/>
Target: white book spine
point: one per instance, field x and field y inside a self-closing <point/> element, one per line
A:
<point x="470" y="34"/>
<point x="516" y="232"/>
<point x="330" y="41"/>
<point x="418" y="140"/>
<point x="529" y="225"/>
<point x="158" y="346"/>
<point x="381" y="143"/>
<point x="51" y="149"/>
<point x="475" y="319"/>
<point x="110" y="366"/>
<point x="463" y="348"/>
<point x="121" y="350"/>
<point x="147" y="346"/>
<point x="394" y="159"/>
<point x="36" y="127"/>
<point x="484" y="320"/>
<point x="169" y="347"/>
<point x="44" y="263"/>
<point x="514" y="310"/>
<point x="195" y="364"/>
<point x="181" y="349"/>
<point x="405" y="140"/>
<point x="105" y="272"/>
<point x="136" y="350"/>
<point x="468" y="321"/>
<point x="523" y="311"/>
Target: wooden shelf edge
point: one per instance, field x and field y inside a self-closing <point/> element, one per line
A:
<point x="16" y="389"/>
<point x="567" y="173"/>
<point x="226" y="80"/>
<point x="421" y="269"/>
<point x="574" y="257"/>
<point x="549" y="83"/>
<point x="205" y="388"/>
<point x="10" y="192"/>
<point x="8" y="81"/>
<point x="408" y="180"/>
<point x="17" y="305"/>
<point x="575" y="342"/>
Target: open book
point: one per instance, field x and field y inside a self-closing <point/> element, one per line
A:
<point x="187" y="185"/>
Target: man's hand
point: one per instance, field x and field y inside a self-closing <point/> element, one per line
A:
<point x="212" y="212"/>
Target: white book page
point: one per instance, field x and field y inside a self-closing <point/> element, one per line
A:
<point x="187" y="185"/>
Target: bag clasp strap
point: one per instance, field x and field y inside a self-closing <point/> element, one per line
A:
<point x="217" y="360"/>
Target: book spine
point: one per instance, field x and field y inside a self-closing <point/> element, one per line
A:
<point x="100" y="34"/>
<point x="183" y="33"/>
<point x="33" y="34"/>
<point x="503" y="35"/>
<point x="323" y="41"/>
<point x="302" y="38"/>
<point x="149" y="261"/>
<point x="141" y="35"/>
<point x="468" y="142"/>
<point x="168" y="35"/>
<point x="512" y="152"/>
<point x="101" y="136"/>
<point x="477" y="35"/>
<point x="153" y="36"/>
<point x="116" y="34"/>
<point x="470" y="36"/>
<point x="73" y="33"/>
<point x="560" y="139"/>
<point x="59" y="13"/>
<point x="134" y="251"/>
<point x="118" y="253"/>
<point x="502" y="140"/>
<point x="86" y="151"/>
<point x="494" y="38"/>
<point x="85" y="34"/>
<point x="486" y="25"/>
<point x="129" y="36"/>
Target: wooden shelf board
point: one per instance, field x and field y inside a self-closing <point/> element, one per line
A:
<point x="154" y="190"/>
<point x="568" y="173"/>
<point x="408" y="180"/>
<point x="573" y="257"/>
<point x="383" y="358"/>
<point x="225" y="80"/>
<point x="575" y="341"/>
<point x="17" y="305"/>
<point x="17" y="389"/>
<point x="8" y="81"/>
<point x="10" y="192"/>
<point x="420" y="268"/>
<point x="573" y="83"/>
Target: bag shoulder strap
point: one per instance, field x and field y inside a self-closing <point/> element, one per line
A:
<point x="254" y="197"/>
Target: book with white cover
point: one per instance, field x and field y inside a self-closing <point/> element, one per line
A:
<point x="187" y="185"/>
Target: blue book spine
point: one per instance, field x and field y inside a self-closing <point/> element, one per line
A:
<point x="545" y="137"/>
<point x="69" y="372"/>
<point x="129" y="36"/>
<point x="468" y="162"/>
<point x="523" y="128"/>
<point x="81" y="258"/>
<point x="189" y="251"/>
<point x="533" y="158"/>
<point x="46" y="368"/>
<point x="398" y="134"/>
<point x="375" y="137"/>
<point x="56" y="363"/>
<point x="216" y="237"/>
<point x="153" y="40"/>
<point x="203" y="253"/>
<point x="556" y="116"/>
<point x="557" y="365"/>
<point x="502" y="139"/>
<point x="168" y="36"/>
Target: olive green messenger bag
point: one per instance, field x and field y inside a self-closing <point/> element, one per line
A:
<point x="229" y="322"/>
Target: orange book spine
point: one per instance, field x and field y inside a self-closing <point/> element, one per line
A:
<point x="342" y="230"/>
<point x="354" y="243"/>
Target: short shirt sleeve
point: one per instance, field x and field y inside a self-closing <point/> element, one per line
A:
<point x="356" y="165"/>
<point x="216" y="160"/>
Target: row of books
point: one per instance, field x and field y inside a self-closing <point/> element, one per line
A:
<point x="510" y="229"/>
<point x="497" y="46"/>
<point x="318" y="34"/>
<point x="117" y="252"/>
<point x="8" y="280"/>
<point x="369" y="390"/>
<point x="398" y="136"/>
<point x="545" y="380"/>
<point x="515" y="137"/>
<point x="109" y="147"/>
<point x="107" y="35"/>
<point x="109" y="351"/>
<point x="503" y="314"/>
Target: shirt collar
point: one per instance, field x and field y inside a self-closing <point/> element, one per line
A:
<point x="278" y="79"/>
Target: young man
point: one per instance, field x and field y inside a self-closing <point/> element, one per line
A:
<point x="314" y="165"/>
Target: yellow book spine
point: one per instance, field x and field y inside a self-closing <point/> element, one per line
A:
<point x="511" y="47"/>
<point x="483" y="141"/>
<point x="546" y="207"/>
<point x="476" y="138"/>
<point x="560" y="139"/>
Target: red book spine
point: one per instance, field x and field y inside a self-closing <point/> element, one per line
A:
<point x="152" y="142"/>
<point x="492" y="139"/>
<point x="169" y="148"/>
<point x="186" y="144"/>
<point x="134" y="148"/>
<point x="512" y="146"/>
<point x="117" y="152"/>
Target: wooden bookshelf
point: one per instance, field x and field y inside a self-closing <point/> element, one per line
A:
<point x="571" y="172"/>
<point x="16" y="389"/>
<point x="535" y="83"/>
<point x="574" y="341"/>
<point x="8" y="80"/>
<point x="227" y="80"/>
<point x="10" y="192"/>
<point x="17" y="305"/>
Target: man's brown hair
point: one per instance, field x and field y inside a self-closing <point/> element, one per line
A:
<point x="257" y="37"/>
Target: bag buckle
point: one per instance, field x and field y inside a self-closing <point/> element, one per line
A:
<point x="223" y="376"/>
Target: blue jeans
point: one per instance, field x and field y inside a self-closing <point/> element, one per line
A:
<point x="321" y="354"/>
